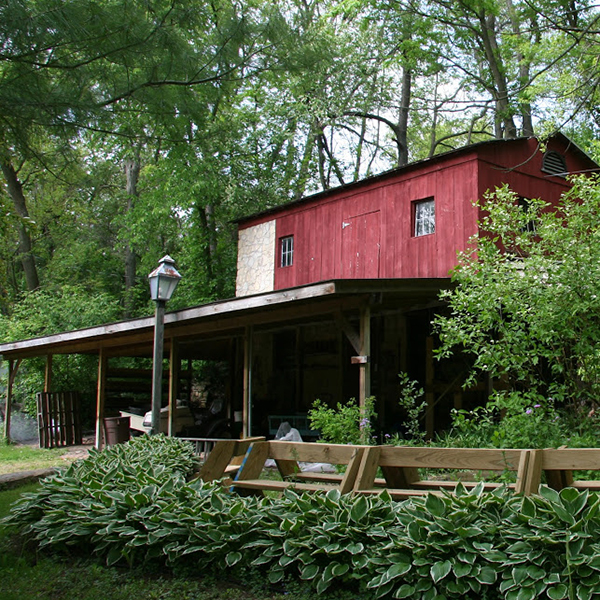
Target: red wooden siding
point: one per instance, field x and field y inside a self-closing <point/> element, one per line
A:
<point x="361" y="246"/>
<point x="367" y="230"/>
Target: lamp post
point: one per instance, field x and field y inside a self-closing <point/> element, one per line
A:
<point x="163" y="281"/>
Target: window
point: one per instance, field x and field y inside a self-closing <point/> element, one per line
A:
<point x="287" y="251"/>
<point x="424" y="217"/>
<point x="525" y="206"/>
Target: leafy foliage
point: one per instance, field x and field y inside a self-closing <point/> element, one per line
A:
<point x="132" y="503"/>
<point x="346" y="424"/>
<point x="526" y="304"/>
<point x="532" y="426"/>
<point x="412" y="402"/>
<point x="45" y="312"/>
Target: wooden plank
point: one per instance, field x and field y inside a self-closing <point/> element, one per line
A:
<point x="277" y="486"/>
<point x="592" y="485"/>
<point x="529" y="473"/>
<point x="223" y="458"/>
<point x="40" y="421"/>
<point x="312" y="452"/>
<point x="399" y="494"/>
<point x="485" y="459"/>
<point x="399" y="477"/>
<point x="254" y="461"/>
<point x="430" y="484"/>
<point x="345" y="325"/>
<point x="364" y="383"/>
<point x="365" y="476"/>
<point x="48" y="373"/>
<point x="101" y="396"/>
<point x="559" y="479"/>
<point x="287" y="468"/>
<point x="556" y="459"/>
<point x="323" y="477"/>
<point x="218" y="459"/>
<point x="558" y="465"/>
<point x="174" y="368"/>
<point x="347" y="483"/>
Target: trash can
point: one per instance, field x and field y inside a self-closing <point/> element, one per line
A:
<point x="116" y="430"/>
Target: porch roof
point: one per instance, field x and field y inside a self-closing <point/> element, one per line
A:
<point x="228" y="318"/>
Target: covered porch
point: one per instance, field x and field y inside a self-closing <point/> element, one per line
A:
<point x="332" y="340"/>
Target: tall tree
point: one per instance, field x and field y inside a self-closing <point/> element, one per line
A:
<point x="79" y="65"/>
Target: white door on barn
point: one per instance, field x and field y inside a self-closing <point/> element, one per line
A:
<point x="361" y="246"/>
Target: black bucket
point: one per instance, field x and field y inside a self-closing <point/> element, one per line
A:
<point x="116" y="430"/>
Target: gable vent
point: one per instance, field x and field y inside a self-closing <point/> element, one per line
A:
<point x="554" y="164"/>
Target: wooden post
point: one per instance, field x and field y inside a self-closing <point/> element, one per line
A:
<point x="174" y="372"/>
<point x="457" y="400"/>
<point x="101" y="396"/>
<point x="365" y="350"/>
<point x="247" y="409"/>
<point x="403" y="342"/>
<point x="48" y="373"/>
<point x="299" y="355"/>
<point x="11" y="377"/>
<point x="429" y="395"/>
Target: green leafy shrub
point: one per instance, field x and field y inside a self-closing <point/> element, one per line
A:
<point x="412" y="403"/>
<point x="345" y="424"/>
<point x="521" y="421"/>
<point x="526" y="301"/>
<point x="132" y="503"/>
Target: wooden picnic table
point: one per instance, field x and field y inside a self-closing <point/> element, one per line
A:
<point x="244" y="462"/>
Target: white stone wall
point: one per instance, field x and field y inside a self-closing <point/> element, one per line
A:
<point x="256" y="255"/>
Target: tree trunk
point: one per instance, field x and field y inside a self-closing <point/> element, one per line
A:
<point x="500" y="91"/>
<point x="132" y="174"/>
<point x="402" y="131"/>
<point x="15" y="191"/>
<point x="524" y="72"/>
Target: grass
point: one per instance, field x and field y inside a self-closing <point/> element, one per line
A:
<point x="14" y="458"/>
<point x="28" y="574"/>
<point x="52" y="579"/>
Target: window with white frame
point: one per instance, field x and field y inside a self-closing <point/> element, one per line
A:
<point x="424" y="217"/>
<point x="287" y="251"/>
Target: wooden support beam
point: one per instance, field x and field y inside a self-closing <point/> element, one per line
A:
<point x="48" y="373"/>
<point x="429" y="395"/>
<point x="299" y="355"/>
<point x="101" y="397"/>
<point x="365" y="351"/>
<point x="349" y="331"/>
<point x="174" y="372"/>
<point x="13" y="367"/>
<point x="247" y="408"/>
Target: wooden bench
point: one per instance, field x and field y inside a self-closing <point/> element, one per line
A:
<point x="288" y="455"/>
<point x="558" y="465"/>
<point x="225" y="458"/>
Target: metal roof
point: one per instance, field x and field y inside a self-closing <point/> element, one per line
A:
<point x="228" y="318"/>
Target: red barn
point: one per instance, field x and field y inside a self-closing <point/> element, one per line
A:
<point x="406" y="223"/>
<point x="335" y="295"/>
